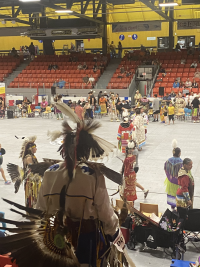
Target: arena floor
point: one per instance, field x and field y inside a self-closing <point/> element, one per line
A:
<point x="151" y="161"/>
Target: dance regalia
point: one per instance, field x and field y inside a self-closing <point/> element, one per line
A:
<point x="139" y="130"/>
<point x="124" y="135"/>
<point x="185" y="190"/>
<point x="146" y="121"/>
<point x="129" y="185"/>
<point x="172" y="167"/>
<point x="113" y="111"/>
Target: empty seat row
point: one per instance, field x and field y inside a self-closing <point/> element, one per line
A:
<point x="49" y="85"/>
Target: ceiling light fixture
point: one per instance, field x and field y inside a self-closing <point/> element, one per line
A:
<point x="64" y="11"/>
<point x="168" y="4"/>
<point x="29" y="1"/>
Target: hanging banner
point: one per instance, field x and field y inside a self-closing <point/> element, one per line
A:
<point x="188" y="24"/>
<point x="136" y="26"/>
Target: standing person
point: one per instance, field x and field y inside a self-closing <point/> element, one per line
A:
<point x="112" y="49"/>
<point x="102" y="103"/>
<point x="113" y="111"/>
<point x="195" y="109"/>
<point x="165" y="114"/>
<point x="79" y="111"/>
<point x="139" y="129"/>
<point x="156" y="107"/>
<point x="137" y="97"/>
<point x="162" y="117"/>
<point x="31" y="51"/>
<point x="124" y="134"/>
<point x="171" y="113"/>
<point x="119" y="50"/>
<point x="32" y="181"/>
<point x="99" y="96"/>
<point x="172" y="167"/>
<point x="58" y="99"/>
<point x="146" y="120"/>
<point x="3" y="152"/>
<point x="180" y="103"/>
<point x="185" y="192"/>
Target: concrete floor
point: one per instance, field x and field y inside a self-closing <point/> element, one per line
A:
<point x="151" y="161"/>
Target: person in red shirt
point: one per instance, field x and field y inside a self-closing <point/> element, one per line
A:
<point x="184" y="194"/>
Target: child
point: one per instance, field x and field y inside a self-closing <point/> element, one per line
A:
<point x="171" y="112"/>
<point x="2" y="152"/>
<point x="165" y="114"/>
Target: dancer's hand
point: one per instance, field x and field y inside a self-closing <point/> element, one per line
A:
<point x="189" y="203"/>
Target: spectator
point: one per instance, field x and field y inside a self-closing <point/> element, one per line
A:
<point x="128" y="73"/>
<point x="190" y="51"/>
<point x="99" y="95"/>
<point x="85" y="66"/>
<point x="2" y="152"/>
<point x="73" y="48"/>
<point x="95" y="67"/>
<point x="182" y="84"/>
<point x="156" y="107"/>
<point x="32" y="50"/>
<point x="80" y="67"/>
<point x="55" y="66"/>
<point x="167" y="99"/>
<point x="162" y="70"/>
<point x="55" y="84"/>
<point x="79" y="111"/>
<point x="91" y="80"/>
<point x="86" y="79"/>
<point x="117" y="99"/>
<point x="69" y="103"/>
<point x="91" y="98"/>
<point x="101" y="67"/>
<point x="176" y="84"/>
<point x="195" y="84"/>
<point x="14" y="52"/>
<point x="122" y="69"/>
<point x="177" y="48"/>
<point x="113" y="50"/>
<point x="193" y="65"/>
<point x="188" y="83"/>
<point x="50" y="67"/>
<point x="61" y="83"/>
<point x="143" y="48"/>
<point x="95" y="59"/>
<point x="43" y="105"/>
<point x="172" y="94"/>
<point x="197" y="74"/>
<point x="119" y="50"/>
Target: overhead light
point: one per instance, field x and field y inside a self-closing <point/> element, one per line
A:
<point x="3" y="22"/>
<point x="28" y="1"/>
<point x="64" y="11"/>
<point x="168" y="4"/>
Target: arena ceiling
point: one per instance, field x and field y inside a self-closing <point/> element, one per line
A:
<point x="14" y="13"/>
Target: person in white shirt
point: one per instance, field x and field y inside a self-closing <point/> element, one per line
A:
<point x="91" y="79"/>
<point x="193" y="65"/>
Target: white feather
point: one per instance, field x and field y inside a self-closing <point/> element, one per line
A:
<point x="54" y="135"/>
<point x="68" y="112"/>
<point x="174" y="143"/>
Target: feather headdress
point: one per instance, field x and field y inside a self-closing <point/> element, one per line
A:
<point x="174" y="143"/>
<point x="27" y="141"/>
<point x="80" y="143"/>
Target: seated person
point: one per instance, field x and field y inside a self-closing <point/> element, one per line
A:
<point x="193" y="65"/>
<point x="61" y="83"/>
<point x="86" y="79"/>
<point x="50" y="67"/>
<point x="122" y="69"/>
<point x="80" y="67"/>
<point x="69" y="103"/>
<point x="95" y="67"/>
<point x="91" y="79"/>
<point x="54" y="66"/>
<point x="182" y="84"/>
<point x="183" y="61"/>
<point x="162" y="70"/>
<point x="74" y="59"/>
<point x="85" y="66"/>
<point x="172" y="94"/>
<point x="95" y="59"/>
<point x="197" y="74"/>
<point x="195" y="84"/>
<point x="176" y="84"/>
<point x="43" y="105"/>
<point x="188" y="83"/>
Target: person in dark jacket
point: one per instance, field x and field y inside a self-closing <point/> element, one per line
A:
<point x="2" y="152"/>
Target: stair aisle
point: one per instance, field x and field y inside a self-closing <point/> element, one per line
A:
<point x="108" y="73"/>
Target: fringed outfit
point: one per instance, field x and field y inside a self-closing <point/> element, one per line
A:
<point x="102" y="103"/>
<point x="129" y="184"/>
<point x="185" y="191"/>
<point x="172" y="167"/>
<point x="180" y="103"/>
<point x="32" y="183"/>
<point x="124" y="135"/>
<point x="140" y="130"/>
<point x="113" y="111"/>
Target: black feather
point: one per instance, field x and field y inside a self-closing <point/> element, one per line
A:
<point x="40" y="168"/>
<point x="24" y="215"/>
<point x="28" y="210"/>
